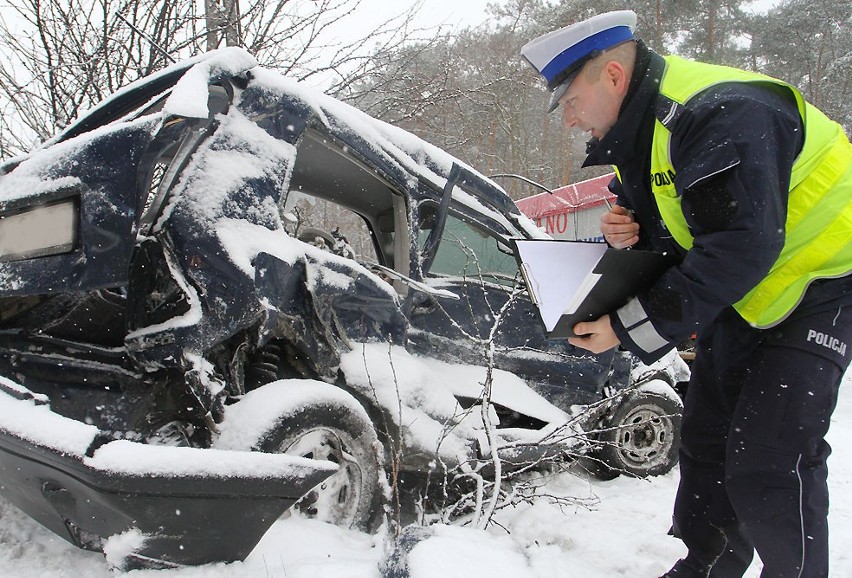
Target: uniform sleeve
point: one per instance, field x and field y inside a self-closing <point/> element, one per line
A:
<point x="733" y="153"/>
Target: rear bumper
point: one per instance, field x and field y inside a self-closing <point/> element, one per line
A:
<point x="185" y="517"/>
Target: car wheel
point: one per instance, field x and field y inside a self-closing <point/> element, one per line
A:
<point x="640" y="436"/>
<point x="352" y="497"/>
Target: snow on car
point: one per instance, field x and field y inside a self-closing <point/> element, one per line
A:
<point x="226" y="288"/>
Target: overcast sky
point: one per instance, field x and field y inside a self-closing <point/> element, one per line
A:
<point x="433" y="13"/>
<point x="459" y="12"/>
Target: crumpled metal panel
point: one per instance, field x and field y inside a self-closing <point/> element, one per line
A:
<point x="320" y="322"/>
<point x="104" y="169"/>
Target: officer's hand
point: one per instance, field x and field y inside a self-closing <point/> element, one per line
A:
<point x="618" y="227"/>
<point x="595" y="336"/>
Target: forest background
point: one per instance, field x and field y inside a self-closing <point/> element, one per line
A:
<point x="464" y="89"/>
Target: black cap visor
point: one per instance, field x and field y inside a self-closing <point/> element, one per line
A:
<point x="560" y="89"/>
<point x="563" y="80"/>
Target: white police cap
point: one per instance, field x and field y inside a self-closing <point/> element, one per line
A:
<point x="559" y="55"/>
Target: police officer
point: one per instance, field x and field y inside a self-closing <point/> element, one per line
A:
<point x="750" y="188"/>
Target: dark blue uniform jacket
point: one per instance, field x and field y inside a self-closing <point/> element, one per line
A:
<point x="737" y="142"/>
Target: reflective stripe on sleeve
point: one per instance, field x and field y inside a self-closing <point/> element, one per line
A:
<point x="646" y="337"/>
<point x="632" y="314"/>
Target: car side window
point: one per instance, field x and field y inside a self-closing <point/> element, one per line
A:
<point x="329" y="226"/>
<point x="469" y="251"/>
<point x="333" y="194"/>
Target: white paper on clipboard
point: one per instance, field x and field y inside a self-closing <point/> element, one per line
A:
<point x="556" y="272"/>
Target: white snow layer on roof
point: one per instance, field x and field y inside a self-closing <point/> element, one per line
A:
<point x="391" y="142"/>
<point x="263" y="153"/>
<point x="225" y="57"/>
<point x="189" y="95"/>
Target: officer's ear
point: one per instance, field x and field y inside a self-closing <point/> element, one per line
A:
<point x="616" y="77"/>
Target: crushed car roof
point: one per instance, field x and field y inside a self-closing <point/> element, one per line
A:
<point x="395" y="152"/>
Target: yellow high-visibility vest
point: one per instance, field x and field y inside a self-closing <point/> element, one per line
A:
<point x="818" y="229"/>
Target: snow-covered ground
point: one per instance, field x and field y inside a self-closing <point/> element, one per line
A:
<point x="622" y="533"/>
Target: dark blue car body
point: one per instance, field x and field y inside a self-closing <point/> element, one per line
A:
<point x="158" y="301"/>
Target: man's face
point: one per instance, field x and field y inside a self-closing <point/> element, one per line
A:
<point x="591" y="104"/>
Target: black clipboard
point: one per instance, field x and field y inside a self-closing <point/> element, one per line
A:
<point x="574" y="281"/>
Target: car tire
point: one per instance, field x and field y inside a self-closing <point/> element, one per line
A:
<point x="354" y="496"/>
<point x="640" y="436"/>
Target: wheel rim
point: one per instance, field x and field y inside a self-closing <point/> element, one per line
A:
<point x="336" y="499"/>
<point x="644" y="437"/>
